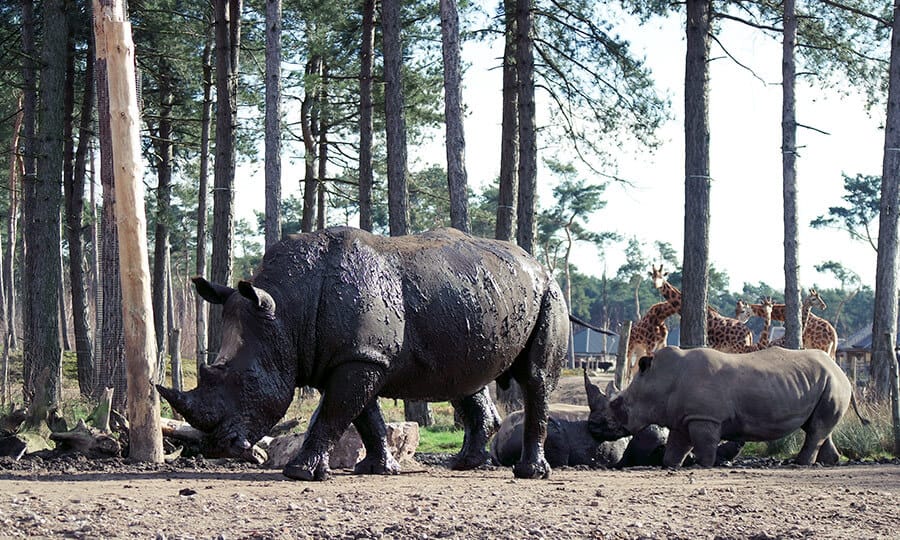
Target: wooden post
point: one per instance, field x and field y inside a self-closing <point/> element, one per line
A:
<point x="621" y="360"/>
<point x="895" y="391"/>
<point x="137" y="316"/>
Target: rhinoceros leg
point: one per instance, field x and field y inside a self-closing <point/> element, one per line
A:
<point x="372" y="431"/>
<point x="349" y="389"/>
<point x="537" y="370"/>
<point x="705" y="436"/>
<point x="480" y="420"/>
<point x="678" y="445"/>
<point x="828" y="453"/>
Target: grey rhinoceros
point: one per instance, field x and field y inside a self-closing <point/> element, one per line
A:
<point x="704" y="396"/>
<point x="431" y="317"/>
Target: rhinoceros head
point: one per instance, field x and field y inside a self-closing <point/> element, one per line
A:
<point x="249" y="387"/>
<point x="601" y="422"/>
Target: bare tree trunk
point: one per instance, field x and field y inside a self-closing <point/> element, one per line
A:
<point x="322" y="100"/>
<point x="111" y="362"/>
<point x="456" y="141"/>
<point x="366" y="125"/>
<point x="145" y="437"/>
<point x="885" y="315"/>
<point x="697" y="180"/>
<point x="308" y="119"/>
<point x="63" y="312"/>
<point x="228" y="13"/>
<point x="395" y="120"/>
<point x="74" y="195"/>
<point x="15" y="163"/>
<point x="42" y="360"/>
<point x="527" y="135"/>
<point x="273" y="122"/>
<point x="509" y="138"/>
<point x="206" y="117"/>
<point x="164" y="150"/>
<point x="793" y="330"/>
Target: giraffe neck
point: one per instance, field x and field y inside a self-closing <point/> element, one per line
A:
<point x="764" y="335"/>
<point x="671" y="294"/>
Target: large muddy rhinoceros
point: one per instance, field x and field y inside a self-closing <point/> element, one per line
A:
<point x="431" y="317"/>
<point x="704" y="396"/>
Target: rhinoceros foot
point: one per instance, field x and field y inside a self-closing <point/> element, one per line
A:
<point x="375" y="465"/>
<point x="470" y="460"/>
<point x="316" y="470"/>
<point x="535" y="470"/>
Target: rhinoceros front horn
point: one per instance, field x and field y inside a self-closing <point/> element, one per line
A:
<point x="185" y="404"/>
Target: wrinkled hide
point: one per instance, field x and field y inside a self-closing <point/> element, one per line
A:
<point x="428" y="317"/>
<point x="704" y="396"/>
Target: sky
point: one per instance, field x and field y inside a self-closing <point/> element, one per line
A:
<point x="746" y="216"/>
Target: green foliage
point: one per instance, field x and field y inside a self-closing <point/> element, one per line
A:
<point x="862" y="195"/>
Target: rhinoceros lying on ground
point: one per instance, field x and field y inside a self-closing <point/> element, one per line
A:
<point x="704" y="396"/>
<point x="570" y="441"/>
<point x="429" y="317"/>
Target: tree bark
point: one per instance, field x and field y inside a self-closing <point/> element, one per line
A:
<point x="793" y="329"/>
<point x="74" y="196"/>
<point x="164" y="155"/>
<point x="308" y="119"/>
<point x="527" y="170"/>
<point x="145" y="438"/>
<point x="395" y="120"/>
<point x="42" y="361"/>
<point x="29" y="139"/>
<point x="202" y="193"/>
<point x="885" y="315"/>
<point x="322" y="122"/>
<point x="366" y="124"/>
<point x="15" y="163"/>
<point x="509" y="137"/>
<point x="697" y="179"/>
<point x="456" y="141"/>
<point x="111" y="362"/>
<point x="228" y="14"/>
<point x="273" y="122"/>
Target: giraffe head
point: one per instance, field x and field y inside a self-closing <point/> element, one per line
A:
<point x="743" y="311"/>
<point x="657" y="276"/>
<point x="814" y="300"/>
<point x="767" y="305"/>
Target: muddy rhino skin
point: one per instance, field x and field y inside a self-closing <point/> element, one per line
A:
<point x="432" y="317"/>
<point x="704" y="396"/>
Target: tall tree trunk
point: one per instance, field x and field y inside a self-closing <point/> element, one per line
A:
<point x="74" y="195"/>
<point x="111" y="363"/>
<point x="164" y="155"/>
<point x="697" y="180"/>
<point x="42" y="361"/>
<point x="456" y="141"/>
<point x="144" y="435"/>
<point x="29" y="132"/>
<point x="885" y="315"/>
<point x="509" y="137"/>
<point x="395" y="120"/>
<point x="322" y="100"/>
<point x="202" y="192"/>
<point x="15" y="163"/>
<point x="228" y="13"/>
<point x="273" y="122"/>
<point x="793" y="330"/>
<point x="63" y="312"/>
<point x="527" y="171"/>
<point x="366" y="124"/>
<point x="308" y="119"/>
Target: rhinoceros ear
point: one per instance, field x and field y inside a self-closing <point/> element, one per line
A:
<point x="644" y="363"/>
<point x="260" y="298"/>
<point x="212" y="292"/>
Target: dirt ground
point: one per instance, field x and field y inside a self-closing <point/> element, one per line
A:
<point x="204" y="499"/>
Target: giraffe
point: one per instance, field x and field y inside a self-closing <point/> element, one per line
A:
<point x="722" y="333"/>
<point x="648" y="335"/>
<point x="817" y="332"/>
<point x="767" y="304"/>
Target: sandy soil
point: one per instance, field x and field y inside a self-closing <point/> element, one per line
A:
<point x="203" y="499"/>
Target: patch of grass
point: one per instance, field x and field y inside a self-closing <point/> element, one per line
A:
<point x="440" y="440"/>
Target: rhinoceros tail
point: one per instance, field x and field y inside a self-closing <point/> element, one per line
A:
<point x="865" y="421"/>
